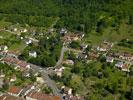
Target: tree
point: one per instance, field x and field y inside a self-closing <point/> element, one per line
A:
<point x="47" y="90"/>
<point x="77" y="84"/>
<point x="77" y="68"/>
<point x="129" y="94"/>
<point x="66" y="76"/>
<point x="131" y="70"/>
<point x="74" y="44"/>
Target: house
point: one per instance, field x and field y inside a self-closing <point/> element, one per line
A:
<point x="13" y="54"/>
<point x="68" y="62"/>
<point x="126" y="56"/>
<point x="23" y="30"/>
<point x="51" y="30"/>
<point x="83" y="46"/>
<point x="63" y="31"/>
<point x="26" y="74"/>
<point x="33" y="54"/>
<point x="8" y="61"/>
<point x="125" y="67"/>
<point x="15" y="29"/>
<point x="113" y="54"/>
<point x="105" y="47"/>
<point x="102" y="48"/>
<point x="70" y="37"/>
<point x="13" y="78"/>
<point x="40" y="96"/>
<point x="15" y="91"/>
<point x="76" y="98"/>
<point x="93" y="55"/>
<point x="40" y="80"/>
<point x="110" y="45"/>
<point x="9" y="97"/>
<point x="82" y="56"/>
<point x="67" y="94"/>
<point x="110" y="59"/>
<point x="27" y="89"/>
<point x="21" y="38"/>
<point x="22" y="65"/>
<point x="73" y="37"/>
<point x="80" y="34"/>
<point x="65" y="90"/>
<point x="59" y="71"/>
<point x="73" y="97"/>
<point x="28" y="41"/>
<point x="119" y="64"/>
<point x="3" y="48"/>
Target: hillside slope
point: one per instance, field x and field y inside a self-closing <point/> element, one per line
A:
<point x="74" y="14"/>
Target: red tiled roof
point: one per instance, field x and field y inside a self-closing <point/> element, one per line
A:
<point x="22" y="64"/>
<point x="13" y="52"/>
<point x="14" y="90"/>
<point x="125" y="66"/>
<point x="9" y="97"/>
<point x="2" y="97"/>
<point x="41" y="96"/>
<point x="15" y="61"/>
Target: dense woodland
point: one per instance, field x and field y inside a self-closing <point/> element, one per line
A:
<point x="83" y="15"/>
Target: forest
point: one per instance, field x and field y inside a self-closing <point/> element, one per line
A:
<point x="82" y="15"/>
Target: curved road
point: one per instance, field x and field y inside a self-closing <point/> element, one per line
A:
<point x="63" y="50"/>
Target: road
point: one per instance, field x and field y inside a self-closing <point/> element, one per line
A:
<point x="45" y="76"/>
<point x="63" y="50"/>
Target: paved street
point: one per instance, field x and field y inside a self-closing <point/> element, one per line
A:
<point x="45" y="76"/>
<point x="63" y="50"/>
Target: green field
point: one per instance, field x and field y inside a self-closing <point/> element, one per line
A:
<point x="5" y="34"/>
<point x="11" y="41"/>
<point x="122" y="49"/>
<point x="110" y="34"/>
<point x="4" y="24"/>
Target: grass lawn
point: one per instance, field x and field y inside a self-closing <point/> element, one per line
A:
<point x="19" y="47"/>
<point x="110" y="34"/>
<point x="122" y="49"/>
<point x="4" y="24"/>
<point x="9" y="39"/>
<point x="4" y="37"/>
<point x="5" y="34"/>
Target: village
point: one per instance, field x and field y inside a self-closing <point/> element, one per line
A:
<point x="71" y="42"/>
